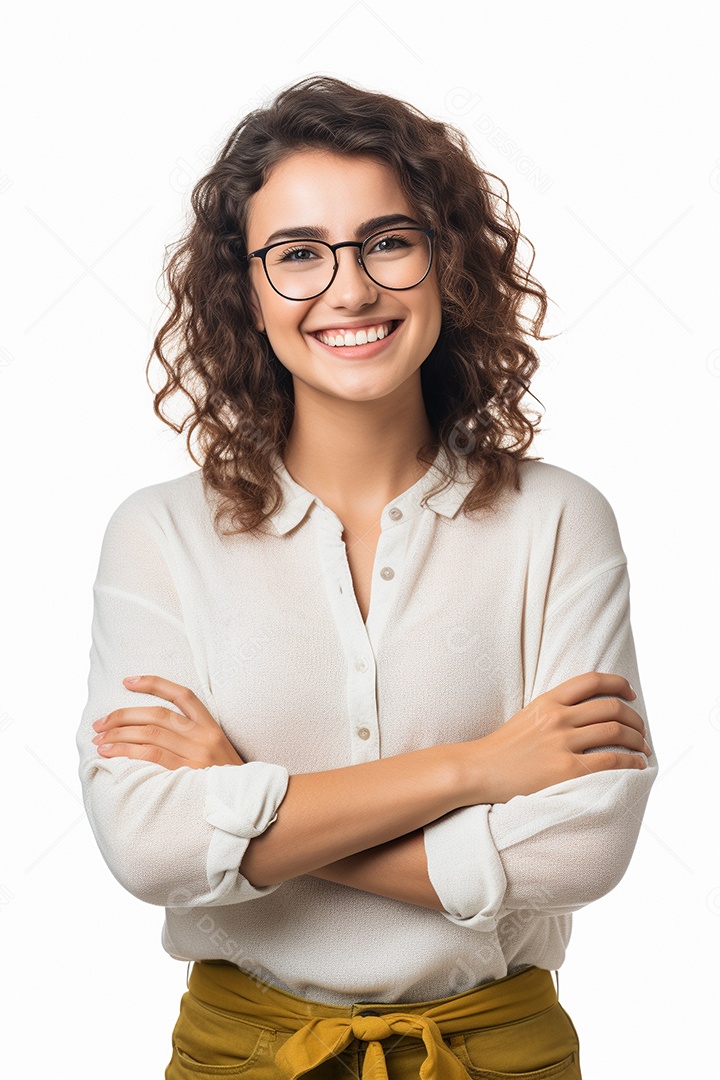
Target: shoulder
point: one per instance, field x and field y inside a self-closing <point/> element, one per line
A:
<point x="566" y="512"/>
<point x="553" y="493"/>
<point x="542" y="480"/>
<point x="164" y="507"/>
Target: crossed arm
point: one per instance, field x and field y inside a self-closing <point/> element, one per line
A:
<point x="402" y="827"/>
<point x="396" y="868"/>
<point x="363" y="825"/>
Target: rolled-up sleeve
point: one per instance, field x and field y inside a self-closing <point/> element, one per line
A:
<point x="171" y="837"/>
<point x="564" y="846"/>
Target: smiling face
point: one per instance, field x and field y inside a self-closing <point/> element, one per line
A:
<point x="340" y="197"/>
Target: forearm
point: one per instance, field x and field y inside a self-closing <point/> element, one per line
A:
<point x="328" y="816"/>
<point x="397" y="869"/>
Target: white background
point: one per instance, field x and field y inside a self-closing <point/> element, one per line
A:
<point x="603" y="121"/>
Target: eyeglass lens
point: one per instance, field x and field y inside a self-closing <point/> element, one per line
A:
<point x="397" y="259"/>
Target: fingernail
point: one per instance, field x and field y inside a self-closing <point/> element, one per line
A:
<point x="105" y="746"/>
<point x="634" y="692"/>
<point x="132" y="679"/>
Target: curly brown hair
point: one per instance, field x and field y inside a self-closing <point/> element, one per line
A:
<point x="241" y="395"/>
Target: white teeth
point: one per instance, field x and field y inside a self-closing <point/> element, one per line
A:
<point x="360" y="337"/>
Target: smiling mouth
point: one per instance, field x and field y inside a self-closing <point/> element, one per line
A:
<point x="360" y="335"/>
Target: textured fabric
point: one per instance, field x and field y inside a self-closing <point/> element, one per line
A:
<point x="232" y="1023"/>
<point x="471" y="617"/>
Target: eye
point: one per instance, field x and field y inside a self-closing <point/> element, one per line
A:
<point x="297" y="254"/>
<point x="390" y="242"/>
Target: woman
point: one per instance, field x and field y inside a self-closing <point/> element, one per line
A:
<point x="380" y="641"/>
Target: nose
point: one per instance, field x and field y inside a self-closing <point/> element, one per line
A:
<point x="351" y="288"/>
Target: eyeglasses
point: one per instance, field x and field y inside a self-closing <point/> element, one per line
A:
<point x="303" y="269"/>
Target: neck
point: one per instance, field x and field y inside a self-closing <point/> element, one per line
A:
<point x="357" y="456"/>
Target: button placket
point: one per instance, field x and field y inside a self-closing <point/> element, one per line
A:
<point x="361" y="689"/>
<point x="389" y="558"/>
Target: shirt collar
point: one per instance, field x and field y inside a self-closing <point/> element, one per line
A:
<point x="297" y="500"/>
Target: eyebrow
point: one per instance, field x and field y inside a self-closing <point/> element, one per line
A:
<point x="314" y="232"/>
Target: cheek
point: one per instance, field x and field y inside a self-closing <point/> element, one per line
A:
<point x="282" y="325"/>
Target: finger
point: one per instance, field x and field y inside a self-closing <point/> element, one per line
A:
<point x="145" y="714"/>
<point x="606" y="709"/>
<point x="148" y="735"/>
<point x="608" y="759"/>
<point x="587" y="685"/>
<point x="181" y="696"/>
<point x="157" y="755"/>
<point x="610" y="733"/>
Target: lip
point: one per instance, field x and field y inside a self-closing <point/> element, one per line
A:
<point x="360" y="352"/>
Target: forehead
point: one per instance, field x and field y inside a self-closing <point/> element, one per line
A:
<point x="318" y="187"/>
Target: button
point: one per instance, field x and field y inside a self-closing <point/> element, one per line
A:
<point x="387" y="573"/>
<point x="361" y="664"/>
<point x="395" y="514"/>
<point x="364" y="732"/>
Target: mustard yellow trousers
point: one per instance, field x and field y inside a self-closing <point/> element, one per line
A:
<point x="233" y="1024"/>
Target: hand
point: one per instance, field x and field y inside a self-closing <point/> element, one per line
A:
<point x="543" y="744"/>
<point x="155" y="733"/>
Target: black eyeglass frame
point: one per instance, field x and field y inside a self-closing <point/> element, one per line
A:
<point x="261" y="253"/>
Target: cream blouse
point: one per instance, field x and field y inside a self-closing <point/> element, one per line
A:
<point x="471" y="617"/>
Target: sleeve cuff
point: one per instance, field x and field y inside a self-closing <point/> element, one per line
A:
<point x="465" y="868"/>
<point x="241" y="802"/>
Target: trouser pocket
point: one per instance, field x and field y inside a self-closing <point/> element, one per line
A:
<point x="207" y="1041"/>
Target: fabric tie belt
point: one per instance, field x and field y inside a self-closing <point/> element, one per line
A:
<point x="320" y="1031"/>
<point x="321" y="1039"/>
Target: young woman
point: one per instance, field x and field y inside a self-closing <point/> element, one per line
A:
<point x="380" y="745"/>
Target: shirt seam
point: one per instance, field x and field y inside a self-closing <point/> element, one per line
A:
<point x="587" y="579"/>
<point x="143" y="602"/>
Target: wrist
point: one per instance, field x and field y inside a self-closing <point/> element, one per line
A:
<point x="462" y="771"/>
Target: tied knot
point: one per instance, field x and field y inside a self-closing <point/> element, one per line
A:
<point x="325" y="1037"/>
<point x="370" y="1028"/>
